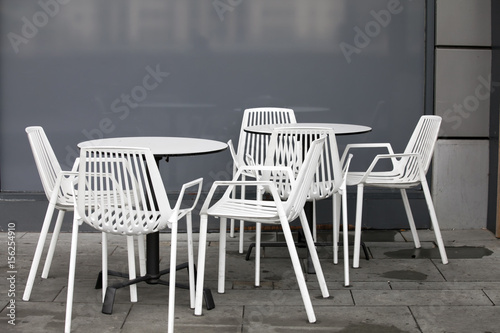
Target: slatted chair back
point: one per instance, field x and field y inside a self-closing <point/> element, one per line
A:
<point x="255" y="144"/>
<point x="120" y="191"/>
<point x="48" y="167"/>
<point x="422" y="142"/>
<point x="286" y="150"/>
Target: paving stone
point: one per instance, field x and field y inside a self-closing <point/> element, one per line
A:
<point x="395" y="269"/>
<point x="451" y="236"/>
<point x="457" y="319"/>
<point x="411" y="285"/>
<point x="420" y="297"/>
<point x="220" y="319"/>
<point x="279" y="297"/>
<point x="486" y="269"/>
<point x="329" y="319"/>
<point x="494" y="295"/>
<point x="49" y="317"/>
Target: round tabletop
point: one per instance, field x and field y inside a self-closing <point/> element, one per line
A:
<point x="340" y="129"/>
<point x="161" y="145"/>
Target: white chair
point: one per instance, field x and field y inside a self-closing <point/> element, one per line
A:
<point x="57" y="185"/>
<point x="254" y="145"/>
<point x="408" y="171"/>
<point x="329" y="180"/>
<point x="120" y="191"/>
<point x="269" y="212"/>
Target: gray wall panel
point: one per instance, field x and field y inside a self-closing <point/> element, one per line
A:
<point x="463" y="22"/>
<point x="462" y="93"/>
<point x="460" y="183"/>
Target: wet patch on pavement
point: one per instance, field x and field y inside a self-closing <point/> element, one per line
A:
<point x="462" y="252"/>
<point x="405" y="275"/>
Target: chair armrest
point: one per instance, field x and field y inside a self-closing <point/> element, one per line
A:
<point x="263" y="172"/>
<point x="69" y="173"/>
<point x="345" y="170"/>
<point x="231" y="184"/>
<point x="233" y="153"/>
<point x="392" y="157"/>
<point x="364" y="145"/>
<point x="76" y="164"/>
<point x="65" y="183"/>
<point x="177" y="211"/>
<point x="254" y="169"/>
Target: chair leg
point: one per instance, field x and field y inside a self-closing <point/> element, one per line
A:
<point x="258" y="248"/>
<point x="314" y="255"/>
<point x="231" y="229"/>
<point x="173" y="273"/>
<point x="336" y="218"/>
<point x="345" y="231"/>
<point x="202" y="251"/>
<point x="39" y="250"/>
<point x="131" y="268"/>
<point x="242" y="223"/>
<point x="314" y="225"/>
<point x="104" y="264"/>
<point x="258" y="241"/>
<point x="242" y="233"/>
<point x="71" y="276"/>
<point x="142" y="254"/>
<point x="222" y="255"/>
<point x="53" y="243"/>
<point x="357" y="228"/>
<point x="411" y="221"/>
<point x="189" y="227"/>
<point x="298" y="270"/>
<point x="434" y="221"/>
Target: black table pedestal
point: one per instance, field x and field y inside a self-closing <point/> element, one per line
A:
<point x="153" y="276"/>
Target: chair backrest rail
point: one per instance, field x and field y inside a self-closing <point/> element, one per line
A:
<point x="254" y="144"/>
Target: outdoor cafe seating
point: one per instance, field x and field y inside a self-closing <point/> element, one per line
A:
<point x="119" y="190"/>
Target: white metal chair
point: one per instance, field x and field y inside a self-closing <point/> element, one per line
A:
<point x="269" y="212"/>
<point x="120" y="191"/>
<point x="254" y="145"/>
<point x="287" y="147"/>
<point x="408" y="170"/>
<point x="57" y="185"/>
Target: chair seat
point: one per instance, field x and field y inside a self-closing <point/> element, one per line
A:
<point x="381" y="179"/>
<point x="248" y="210"/>
<point x="127" y="223"/>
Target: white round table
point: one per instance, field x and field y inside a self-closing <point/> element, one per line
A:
<point x="340" y="129"/>
<point x="161" y="146"/>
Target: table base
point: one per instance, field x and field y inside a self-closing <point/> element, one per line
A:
<point x="109" y="299"/>
<point x="153" y="276"/>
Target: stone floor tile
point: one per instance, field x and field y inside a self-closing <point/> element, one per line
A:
<point x="220" y="319"/>
<point x="458" y="270"/>
<point x="330" y="319"/>
<point x="457" y="319"/>
<point x="420" y="297"/>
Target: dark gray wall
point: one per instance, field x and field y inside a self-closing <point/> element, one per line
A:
<point x="68" y="66"/>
